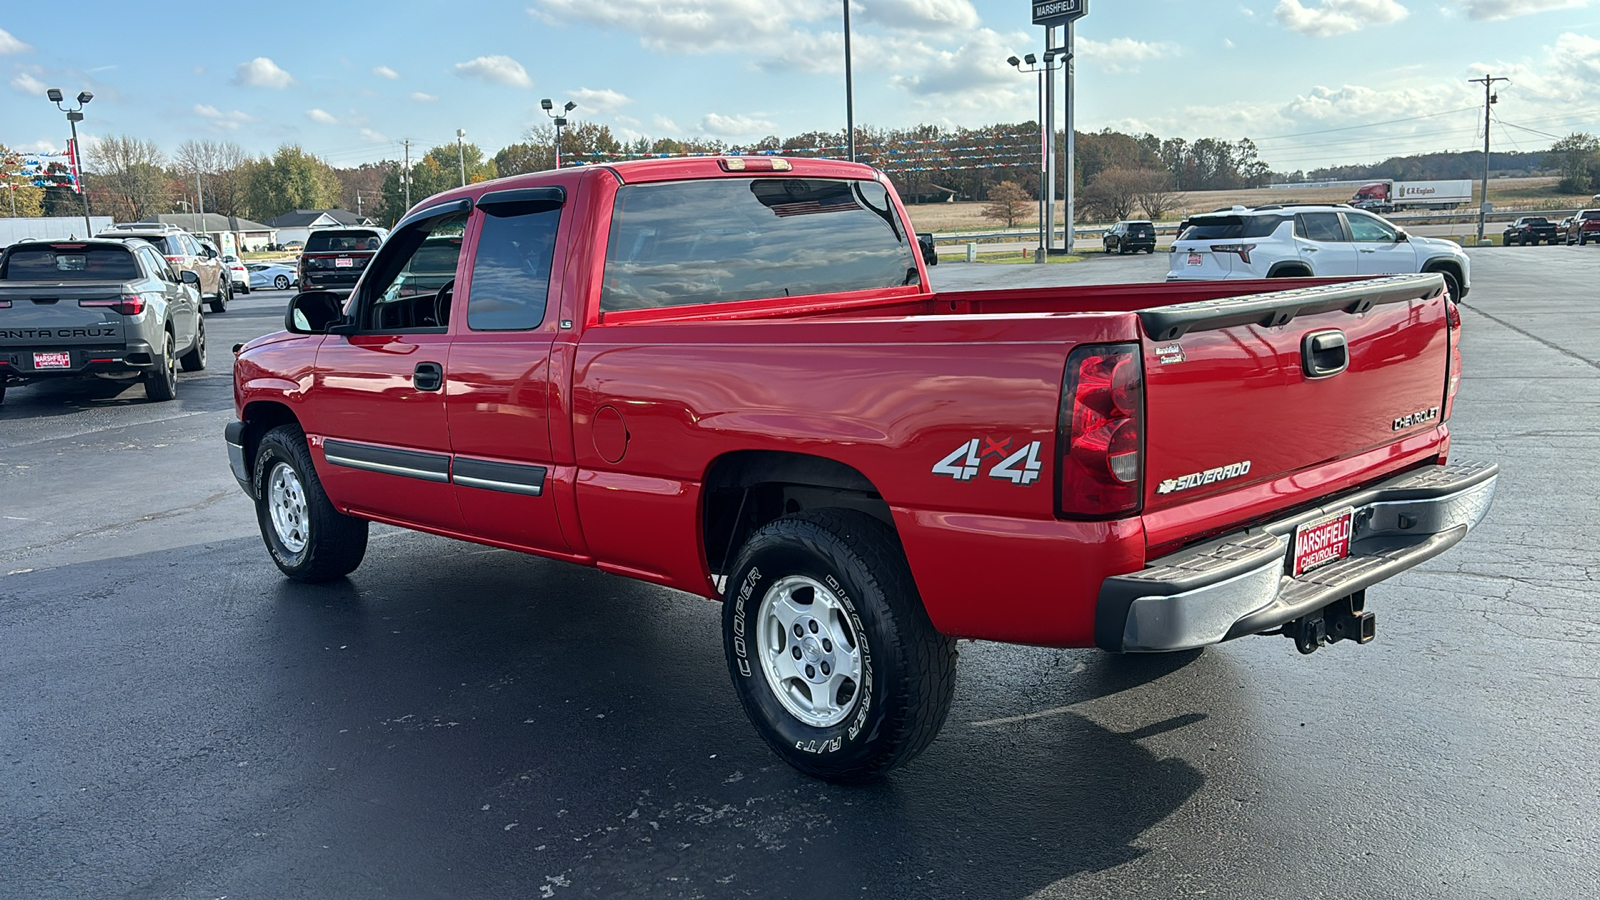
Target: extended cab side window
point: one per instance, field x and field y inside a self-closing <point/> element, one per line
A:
<point x="726" y="239"/>
<point x="1323" y="226"/>
<point x="511" y="270"/>
<point x="409" y="285"/>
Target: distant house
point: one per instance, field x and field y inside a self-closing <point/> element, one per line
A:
<point x="247" y="235"/>
<point x="297" y="225"/>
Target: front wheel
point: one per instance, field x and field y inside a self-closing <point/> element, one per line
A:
<point x="830" y="650"/>
<point x="309" y="540"/>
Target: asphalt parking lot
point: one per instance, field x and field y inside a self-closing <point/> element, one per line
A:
<point x="177" y="720"/>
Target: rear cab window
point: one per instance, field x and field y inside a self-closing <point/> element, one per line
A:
<point x="70" y="262"/>
<point x="339" y="241"/>
<point x="1217" y="228"/>
<point x="729" y="239"/>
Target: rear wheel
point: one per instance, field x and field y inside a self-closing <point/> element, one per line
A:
<point x="830" y="650"/>
<point x="309" y="540"/>
<point x="281" y="282"/>
<point x="161" y="381"/>
<point x="195" y="359"/>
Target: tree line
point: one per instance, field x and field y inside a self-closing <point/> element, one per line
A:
<point x="1115" y="173"/>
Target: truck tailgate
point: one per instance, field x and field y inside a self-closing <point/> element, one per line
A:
<point x="1262" y="403"/>
<point x="49" y="315"/>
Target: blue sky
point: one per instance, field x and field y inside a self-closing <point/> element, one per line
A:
<point x="1307" y="79"/>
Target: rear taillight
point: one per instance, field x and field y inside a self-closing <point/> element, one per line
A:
<point x="1452" y="372"/>
<point x="174" y="259"/>
<point x="1100" y="433"/>
<point x="1242" y="250"/>
<point x="5" y="304"/>
<point x="127" y="304"/>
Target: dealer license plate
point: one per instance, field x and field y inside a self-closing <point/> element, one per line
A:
<point x="1323" y="541"/>
<point x="343" y="263"/>
<point x="1196" y="259"/>
<point x="52" y="360"/>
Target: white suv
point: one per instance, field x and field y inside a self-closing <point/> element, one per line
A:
<point x="1308" y="240"/>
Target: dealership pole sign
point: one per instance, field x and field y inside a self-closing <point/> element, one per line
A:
<point x="1050" y="13"/>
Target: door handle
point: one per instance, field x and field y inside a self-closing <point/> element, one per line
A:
<point x="428" y="376"/>
<point x="1368" y="250"/>
<point x="1311" y="249"/>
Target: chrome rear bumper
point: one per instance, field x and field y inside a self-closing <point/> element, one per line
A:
<point x="1239" y="584"/>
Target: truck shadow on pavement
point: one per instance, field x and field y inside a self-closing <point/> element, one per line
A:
<point x="453" y="721"/>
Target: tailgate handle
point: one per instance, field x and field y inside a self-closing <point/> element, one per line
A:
<point x="1325" y="353"/>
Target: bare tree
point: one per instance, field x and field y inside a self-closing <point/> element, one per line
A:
<point x="1007" y="203"/>
<point x="130" y="178"/>
<point x="220" y="166"/>
<point x="1156" y="196"/>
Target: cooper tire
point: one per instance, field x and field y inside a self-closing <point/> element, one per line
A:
<point x="872" y="682"/>
<point x="161" y="380"/>
<point x="195" y="359"/>
<point x="309" y="540"/>
<point x="281" y="282"/>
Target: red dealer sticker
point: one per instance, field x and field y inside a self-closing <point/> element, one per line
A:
<point x="52" y="360"/>
<point x="1323" y="541"/>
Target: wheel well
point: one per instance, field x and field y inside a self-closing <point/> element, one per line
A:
<point x="1451" y="266"/>
<point x="747" y="489"/>
<point x="261" y="417"/>
<point x="1289" y="270"/>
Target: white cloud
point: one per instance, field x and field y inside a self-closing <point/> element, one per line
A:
<point x="373" y="136"/>
<point x="9" y="44"/>
<point x="971" y="69"/>
<point x="665" y="124"/>
<point x="222" y="121"/>
<point x="263" y="72"/>
<point x="1121" y="55"/>
<point x="1335" y="17"/>
<point x="420" y="97"/>
<point x="736" y="126"/>
<point x="692" y="26"/>
<point x="940" y="16"/>
<point x="1489" y="10"/>
<point x="321" y="117"/>
<point x="600" y="100"/>
<point x="496" y="69"/>
<point x="385" y="72"/>
<point x="27" y="84"/>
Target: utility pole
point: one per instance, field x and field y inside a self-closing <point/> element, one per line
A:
<point x="1489" y="99"/>
<point x="358" y="201"/>
<point x="849" y="92"/>
<point x="200" y="201"/>
<point x="405" y="173"/>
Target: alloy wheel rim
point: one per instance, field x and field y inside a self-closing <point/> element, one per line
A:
<point x="810" y="651"/>
<point x="286" y="502"/>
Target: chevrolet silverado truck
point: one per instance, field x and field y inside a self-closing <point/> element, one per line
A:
<point x="731" y="376"/>
<point x="1529" y="230"/>
<point x="109" y="308"/>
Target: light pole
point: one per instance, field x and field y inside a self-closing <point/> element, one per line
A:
<point x="849" y="91"/>
<point x="561" y="121"/>
<point x="74" y="116"/>
<point x="461" y="155"/>
<point x="1030" y="63"/>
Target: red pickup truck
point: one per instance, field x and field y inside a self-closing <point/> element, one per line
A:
<point x="731" y="376"/>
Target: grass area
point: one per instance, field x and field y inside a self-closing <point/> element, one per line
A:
<point x="1012" y="259"/>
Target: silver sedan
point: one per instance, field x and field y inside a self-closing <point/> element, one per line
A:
<point x="273" y="276"/>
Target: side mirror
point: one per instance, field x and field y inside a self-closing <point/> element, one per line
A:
<point x="314" y="312"/>
<point x="1400" y="235"/>
<point x="188" y="277"/>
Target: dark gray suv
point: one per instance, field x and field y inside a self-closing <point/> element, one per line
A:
<point x="98" y="308"/>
